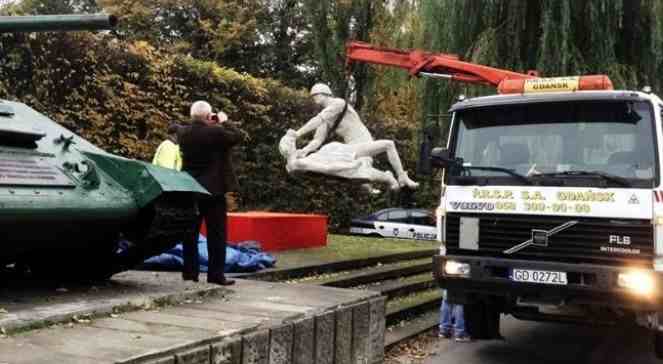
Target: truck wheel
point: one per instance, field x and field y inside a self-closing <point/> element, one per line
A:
<point x="482" y="322"/>
<point x="658" y="344"/>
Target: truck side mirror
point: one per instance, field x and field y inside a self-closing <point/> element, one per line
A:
<point x="440" y="157"/>
<point x="424" y="163"/>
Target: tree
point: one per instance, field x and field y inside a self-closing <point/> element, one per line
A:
<point x="287" y="44"/>
<point x="333" y="23"/>
<point x="566" y="37"/>
<point x="34" y="7"/>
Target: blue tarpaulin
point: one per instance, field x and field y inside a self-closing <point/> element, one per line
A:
<point x="243" y="257"/>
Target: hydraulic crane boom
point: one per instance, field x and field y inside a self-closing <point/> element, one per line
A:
<point x="441" y="65"/>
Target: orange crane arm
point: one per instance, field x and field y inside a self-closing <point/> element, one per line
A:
<point x="441" y="65"/>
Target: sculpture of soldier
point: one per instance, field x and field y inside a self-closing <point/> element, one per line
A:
<point x="353" y="158"/>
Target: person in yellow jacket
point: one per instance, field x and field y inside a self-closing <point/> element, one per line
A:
<point x="168" y="153"/>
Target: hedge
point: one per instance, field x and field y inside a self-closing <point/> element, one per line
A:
<point x="121" y="96"/>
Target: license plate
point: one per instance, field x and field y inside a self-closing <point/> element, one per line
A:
<point x="538" y="276"/>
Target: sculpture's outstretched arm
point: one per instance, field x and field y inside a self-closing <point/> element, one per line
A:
<point x="326" y="116"/>
<point x="315" y="143"/>
<point x="311" y="125"/>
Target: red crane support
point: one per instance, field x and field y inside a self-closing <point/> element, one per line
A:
<point x="448" y="66"/>
<point x="444" y="65"/>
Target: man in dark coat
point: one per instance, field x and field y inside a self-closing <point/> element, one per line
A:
<point x="205" y="147"/>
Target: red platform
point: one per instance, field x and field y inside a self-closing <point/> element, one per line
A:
<point x="278" y="231"/>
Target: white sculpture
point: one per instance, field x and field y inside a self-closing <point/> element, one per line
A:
<point x="352" y="159"/>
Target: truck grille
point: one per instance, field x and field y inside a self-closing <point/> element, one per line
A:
<point x="586" y="242"/>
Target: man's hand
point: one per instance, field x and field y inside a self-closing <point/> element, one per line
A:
<point x="301" y="153"/>
<point x="232" y="201"/>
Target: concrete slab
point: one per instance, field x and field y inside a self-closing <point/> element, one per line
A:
<point x="281" y="344"/>
<point x="252" y="323"/>
<point x="168" y="360"/>
<point x="228" y="351"/>
<point x="29" y="304"/>
<point x="232" y="313"/>
<point x="16" y="351"/>
<point x="211" y="312"/>
<point x="360" y="333"/>
<point x="343" y="347"/>
<point x="304" y="341"/>
<point x="101" y="344"/>
<point x="324" y="338"/>
<point x="273" y="293"/>
<point x="151" y="328"/>
<point x="198" y="355"/>
<point x="172" y="318"/>
<point x="255" y="348"/>
<point x="377" y="307"/>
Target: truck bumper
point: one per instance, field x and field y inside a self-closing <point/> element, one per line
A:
<point x="594" y="285"/>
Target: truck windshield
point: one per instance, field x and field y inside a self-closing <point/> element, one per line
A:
<point x="610" y="140"/>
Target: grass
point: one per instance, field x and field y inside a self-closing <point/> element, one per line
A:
<point x="423" y="277"/>
<point x="413" y="299"/>
<point x="330" y="277"/>
<point x="345" y="247"/>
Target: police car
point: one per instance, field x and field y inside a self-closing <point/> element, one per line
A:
<point x="418" y="224"/>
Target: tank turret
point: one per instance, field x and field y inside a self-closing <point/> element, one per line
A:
<point x="55" y="23"/>
<point x="71" y="209"/>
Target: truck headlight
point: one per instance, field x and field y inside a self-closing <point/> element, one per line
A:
<point x="637" y="281"/>
<point x="454" y="268"/>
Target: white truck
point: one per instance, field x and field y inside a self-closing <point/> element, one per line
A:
<point x="552" y="203"/>
<point x="552" y="209"/>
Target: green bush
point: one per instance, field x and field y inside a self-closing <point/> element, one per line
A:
<point x="121" y="96"/>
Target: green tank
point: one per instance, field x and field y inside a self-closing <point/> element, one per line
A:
<point x="70" y="209"/>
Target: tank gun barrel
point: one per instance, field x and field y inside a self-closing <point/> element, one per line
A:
<point x="56" y="23"/>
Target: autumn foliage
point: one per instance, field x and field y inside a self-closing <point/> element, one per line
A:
<point x="121" y="95"/>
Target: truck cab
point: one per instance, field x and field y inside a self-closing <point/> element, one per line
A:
<point x="552" y="209"/>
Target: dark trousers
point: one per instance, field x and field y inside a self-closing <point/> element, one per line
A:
<point x="213" y="210"/>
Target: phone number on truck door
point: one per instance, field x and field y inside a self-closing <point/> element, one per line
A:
<point x="578" y="208"/>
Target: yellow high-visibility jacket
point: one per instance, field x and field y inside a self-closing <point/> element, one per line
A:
<point x="168" y="155"/>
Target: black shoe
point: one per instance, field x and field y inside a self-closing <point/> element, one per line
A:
<point x="221" y="281"/>
<point x="190" y="277"/>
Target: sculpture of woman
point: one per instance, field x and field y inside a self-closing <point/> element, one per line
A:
<point x="352" y="159"/>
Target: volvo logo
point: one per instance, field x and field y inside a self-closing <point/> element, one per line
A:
<point x="474" y="206"/>
<point x="540" y="237"/>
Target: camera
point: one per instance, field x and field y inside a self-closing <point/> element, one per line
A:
<point x="219" y="117"/>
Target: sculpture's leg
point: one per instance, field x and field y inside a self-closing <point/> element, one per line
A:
<point x="386" y="146"/>
<point x="386" y="177"/>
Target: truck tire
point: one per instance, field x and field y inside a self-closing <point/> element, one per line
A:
<point x="482" y="321"/>
<point x="658" y="344"/>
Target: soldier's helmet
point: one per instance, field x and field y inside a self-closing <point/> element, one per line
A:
<point x="321" y="89"/>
